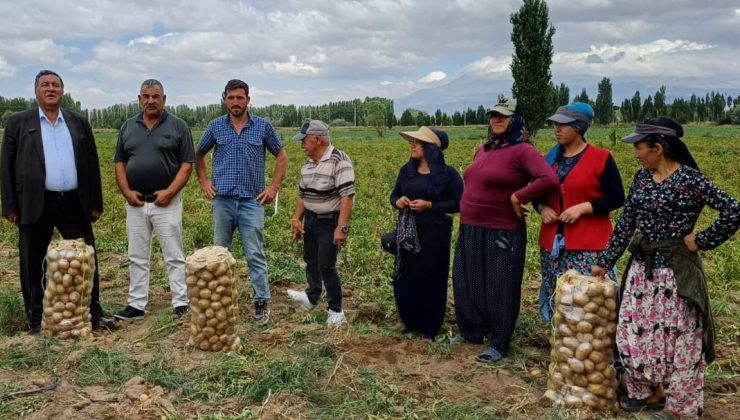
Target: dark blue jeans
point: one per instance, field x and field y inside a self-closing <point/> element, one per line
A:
<point x="320" y="255"/>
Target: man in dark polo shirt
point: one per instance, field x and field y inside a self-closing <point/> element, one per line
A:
<point x="154" y="158"/>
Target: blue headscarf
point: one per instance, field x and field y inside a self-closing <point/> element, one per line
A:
<point x="582" y="115"/>
<point x="514" y="134"/>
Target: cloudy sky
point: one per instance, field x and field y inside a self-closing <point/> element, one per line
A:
<point x="309" y="52"/>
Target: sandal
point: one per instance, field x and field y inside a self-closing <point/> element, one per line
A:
<point x="633" y="405"/>
<point x="664" y="415"/>
<point x="489" y="355"/>
<point x="461" y="339"/>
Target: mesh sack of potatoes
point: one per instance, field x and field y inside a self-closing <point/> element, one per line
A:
<point x="211" y="279"/>
<point x="70" y="266"/>
<point x="581" y="373"/>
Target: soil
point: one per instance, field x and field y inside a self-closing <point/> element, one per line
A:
<point x="409" y="363"/>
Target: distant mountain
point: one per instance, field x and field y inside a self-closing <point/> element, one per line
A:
<point x="468" y="91"/>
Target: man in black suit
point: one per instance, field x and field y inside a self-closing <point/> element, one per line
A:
<point x="50" y="178"/>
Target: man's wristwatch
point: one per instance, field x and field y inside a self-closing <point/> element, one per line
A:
<point x="343" y="228"/>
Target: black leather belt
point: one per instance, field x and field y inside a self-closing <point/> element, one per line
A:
<point x="59" y="194"/>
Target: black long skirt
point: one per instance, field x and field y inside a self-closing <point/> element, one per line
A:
<point x="487" y="282"/>
<point x="420" y="286"/>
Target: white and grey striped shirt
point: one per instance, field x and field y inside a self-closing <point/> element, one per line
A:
<point x="324" y="183"/>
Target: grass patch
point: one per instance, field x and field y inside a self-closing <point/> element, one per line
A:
<point x="12" y="312"/>
<point x="43" y="357"/>
<point x="99" y="367"/>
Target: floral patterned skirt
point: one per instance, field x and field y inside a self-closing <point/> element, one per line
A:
<point x="659" y="338"/>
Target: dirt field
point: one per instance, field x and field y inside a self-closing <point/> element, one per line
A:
<point x="369" y="367"/>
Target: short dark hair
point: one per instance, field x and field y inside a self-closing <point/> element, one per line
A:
<point x="46" y="73"/>
<point x="236" y="84"/>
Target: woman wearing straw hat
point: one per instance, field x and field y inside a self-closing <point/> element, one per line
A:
<point x="665" y="333"/>
<point x="575" y="218"/>
<point x="506" y="173"/>
<point x="430" y="189"/>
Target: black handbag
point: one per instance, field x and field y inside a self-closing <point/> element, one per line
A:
<point x="388" y="242"/>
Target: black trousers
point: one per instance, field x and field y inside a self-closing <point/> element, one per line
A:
<point x="320" y="255"/>
<point x="61" y="211"/>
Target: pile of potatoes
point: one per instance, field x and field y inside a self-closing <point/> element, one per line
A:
<point x="581" y="373"/>
<point x="70" y="266"/>
<point x="212" y="282"/>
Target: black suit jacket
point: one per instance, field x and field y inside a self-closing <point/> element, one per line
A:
<point x="24" y="173"/>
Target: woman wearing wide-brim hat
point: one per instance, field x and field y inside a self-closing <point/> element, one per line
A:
<point x="430" y="190"/>
<point x="665" y="332"/>
<point x="506" y="173"/>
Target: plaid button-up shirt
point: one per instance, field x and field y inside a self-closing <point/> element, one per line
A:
<point x="239" y="158"/>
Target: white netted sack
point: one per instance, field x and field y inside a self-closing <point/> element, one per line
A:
<point x="582" y="373"/>
<point x="70" y="267"/>
<point x="211" y="280"/>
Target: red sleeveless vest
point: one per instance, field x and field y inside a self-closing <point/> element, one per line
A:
<point x="583" y="183"/>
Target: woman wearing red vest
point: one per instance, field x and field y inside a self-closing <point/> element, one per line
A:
<point x="575" y="219"/>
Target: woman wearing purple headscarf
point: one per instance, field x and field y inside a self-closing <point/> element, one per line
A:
<point x="665" y="333"/>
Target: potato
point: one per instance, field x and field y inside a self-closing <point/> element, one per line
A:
<point x="566" y="299"/>
<point x="212" y="322"/>
<point x="596" y="356"/>
<point x="205" y="275"/>
<point x="576" y="365"/>
<point x="583" y="350"/>
<point x="564" y="331"/>
<point x="597" y="389"/>
<point x="580" y="380"/>
<point x="191" y="281"/>
<point x="215" y="297"/>
<point x="581" y="299"/>
<point x="571" y="343"/>
<point x="610" y="290"/>
<point x="201" y="284"/>
<point x="611" y="329"/>
<point x="595" y="378"/>
<point x="595" y="289"/>
<point x="584" y="337"/>
<point x="204" y="345"/>
<point x="225" y="301"/>
<point x="572" y="401"/>
<point x="589" y="365"/>
<point x="212" y="285"/>
<point x="584" y="327"/>
<point x="591" y="307"/>
<point x="62" y="264"/>
<point x="599" y="332"/>
<point x="602" y="312"/>
<point x="205" y="294"/>
<point x="610" y="304"/>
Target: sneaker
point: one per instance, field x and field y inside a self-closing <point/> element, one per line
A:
<point x="301" y="298"/>
<point x="130" y="313"/>
<point x="261" y="312"/>
<point x="460" y="339"/>
<point x="334" y="319"/>
<point x="180" y="310"/>
<point x="35" y="330"/>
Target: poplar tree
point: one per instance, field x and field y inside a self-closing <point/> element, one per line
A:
<point x="531" y="35"/>
<point x="603" y="106"/>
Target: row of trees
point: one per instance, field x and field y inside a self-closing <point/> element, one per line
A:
<point x="379" y="112"/>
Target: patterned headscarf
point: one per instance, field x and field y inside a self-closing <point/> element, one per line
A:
<point x="514" y="134"/>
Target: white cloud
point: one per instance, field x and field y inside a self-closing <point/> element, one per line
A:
<point x="657" y="58"/>
<point x="43" y="51"/>
<point x="291" y="68"/>
<point x="435" y="76"/>
<point x="490" y="67"/>
<point x="5" y="68"/>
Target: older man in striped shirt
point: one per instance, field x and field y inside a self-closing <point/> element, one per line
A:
<point x="322" y="214"/>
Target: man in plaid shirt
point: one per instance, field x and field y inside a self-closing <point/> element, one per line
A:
<point x="237" y="188"/>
